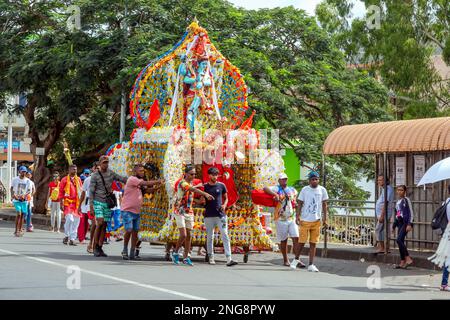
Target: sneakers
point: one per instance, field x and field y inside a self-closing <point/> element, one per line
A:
<point x="96" y="252"/>
<point x="137" y="258"/>
<point x="188" y="262"/>
<point x="445" y="288"/>
<point x="125" y="255"/>
<point x="211" y="260"/>
<point x="176" y="258"/>
<point x="312" y="268"/>
<point x="294" y="264"/>
<point x="231" y="263"/>
<point x="65" y="240"/>
<point x="102" y="253"/>
<point x="71" y="243"/>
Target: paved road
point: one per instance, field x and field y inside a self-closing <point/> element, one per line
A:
<point x="36" y="267"/>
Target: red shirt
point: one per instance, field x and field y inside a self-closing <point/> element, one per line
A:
<point x="52" y="185"/>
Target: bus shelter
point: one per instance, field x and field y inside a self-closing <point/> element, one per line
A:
<point x="403" y="151"/>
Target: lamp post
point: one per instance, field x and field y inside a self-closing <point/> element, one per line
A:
<point x="9" y="158"/>
<point x="124" y="98"/>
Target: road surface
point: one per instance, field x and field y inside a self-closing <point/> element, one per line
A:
<point x="39" y="266"/>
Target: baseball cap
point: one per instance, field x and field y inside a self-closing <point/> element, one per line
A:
<point x="23" y="168"/>
<point x="86" y="171"/>
<point x="313" y="174"/>
<point x="282" y="176"/>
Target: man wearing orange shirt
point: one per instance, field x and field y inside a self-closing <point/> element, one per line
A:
<point x="69" y="193"/>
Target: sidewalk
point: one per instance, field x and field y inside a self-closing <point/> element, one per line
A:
<point x="334" y="251"/>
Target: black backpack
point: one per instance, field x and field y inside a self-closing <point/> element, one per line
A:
<point x="440" y="220"/>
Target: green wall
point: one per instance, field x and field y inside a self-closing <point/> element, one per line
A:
<point x="292" y="165"/>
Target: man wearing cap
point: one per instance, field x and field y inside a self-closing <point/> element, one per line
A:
<point x="86" y="173"/>
<point x="99" y="190"/>
<point x="284" y="214"/>
<point x="69" y="194"/>
<point x="215" y="216"/>
<point x="20" y="191"/>
<point x="312" y="203"/>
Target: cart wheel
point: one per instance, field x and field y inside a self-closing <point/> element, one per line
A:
<point x="246" y="257"/>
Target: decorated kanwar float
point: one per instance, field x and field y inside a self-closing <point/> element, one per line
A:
<point x="189" y="106"/>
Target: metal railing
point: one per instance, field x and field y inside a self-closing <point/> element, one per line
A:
<point x="350" y="222"/>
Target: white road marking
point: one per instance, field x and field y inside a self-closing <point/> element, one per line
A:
<point x="138" y="284"/>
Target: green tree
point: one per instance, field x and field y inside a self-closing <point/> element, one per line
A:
<point x="400" y="50"/>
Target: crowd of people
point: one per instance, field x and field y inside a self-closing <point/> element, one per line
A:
<point x="96" y="202"/>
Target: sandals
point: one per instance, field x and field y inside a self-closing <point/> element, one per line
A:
<point x="90" y="250"/>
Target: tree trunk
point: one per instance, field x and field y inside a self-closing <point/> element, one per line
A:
<point x="41" y="177"/>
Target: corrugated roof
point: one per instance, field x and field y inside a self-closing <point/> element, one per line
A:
<point x="419" y="135"/>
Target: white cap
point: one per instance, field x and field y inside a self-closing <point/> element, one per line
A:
<point x="282" y="176"/>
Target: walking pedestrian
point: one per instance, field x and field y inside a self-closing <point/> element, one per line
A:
<point x="312" y="208"/>
<point x="20" y="190"/>
<point x="55" y="203"/>
<point x="131" y="209"/>
<point x="29" y="224"/>
<point x="184" y="214"/>
<point x="381" y="213"/>
<point x="99" y="192"/>
<point x="284" y="216"/>
<point x="404" y="222"/>
<point x="69" y="193"/>
<point x="115" y="223"/>
<point x="85" y="215"/>
<point x="215" y="216"/>
<point x="445" y="267"/>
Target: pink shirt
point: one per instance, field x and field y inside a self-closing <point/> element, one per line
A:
<point x="132" y="196"/>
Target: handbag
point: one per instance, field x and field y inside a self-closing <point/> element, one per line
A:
<point x="111" y="200"/>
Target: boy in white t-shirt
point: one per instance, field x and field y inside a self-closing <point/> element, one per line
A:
<point x="312" y="203"/>
<point x="20" y="193"/>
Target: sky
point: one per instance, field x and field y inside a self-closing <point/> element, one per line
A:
<point x="308" y="5"/>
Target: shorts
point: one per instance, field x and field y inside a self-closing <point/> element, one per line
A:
<point x="131" y="221"/>
<point x="286" y="229"/>
<point x="21" y="206"/>
<point x="309" y="230"/>
<point x="102" y="211"/>
<point x="184" y="221"/>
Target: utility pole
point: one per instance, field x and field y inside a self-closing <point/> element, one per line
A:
<point x="9" y="158"/>
<point x="123" y="106"/>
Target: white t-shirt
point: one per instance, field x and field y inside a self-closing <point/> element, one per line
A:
<point x="85" y="188"/>
<point x="21" y="186"/>
<point x="33" y="189"/>
<point x="312" y="202"/>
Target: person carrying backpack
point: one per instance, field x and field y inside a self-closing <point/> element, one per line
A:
<point x="442" y="255"/>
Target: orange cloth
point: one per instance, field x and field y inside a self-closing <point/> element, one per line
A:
<point x="69" y="192"/>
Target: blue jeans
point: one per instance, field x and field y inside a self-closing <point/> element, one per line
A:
<point x="445" y="276"/>
<point x="28" y="215"/>
<point x="131" y="221"/>
<point x="115" y="222"/>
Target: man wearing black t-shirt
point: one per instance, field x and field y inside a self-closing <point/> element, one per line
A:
<point x="215" y="216"/>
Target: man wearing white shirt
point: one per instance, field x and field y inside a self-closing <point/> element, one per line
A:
<point x="20" y="192"/>
<point x="312" y="203"/>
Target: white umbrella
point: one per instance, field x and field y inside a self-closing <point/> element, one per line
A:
<point x="438" y="172"/>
